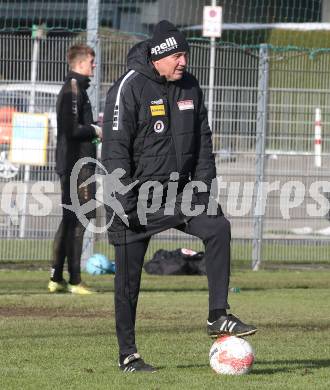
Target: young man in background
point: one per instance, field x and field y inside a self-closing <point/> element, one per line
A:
<point x="76" y="131"/>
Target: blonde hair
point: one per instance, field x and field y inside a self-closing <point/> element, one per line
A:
<point x="78" y="51"/>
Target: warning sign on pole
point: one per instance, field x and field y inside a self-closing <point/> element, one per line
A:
<point x="212" y="21"/>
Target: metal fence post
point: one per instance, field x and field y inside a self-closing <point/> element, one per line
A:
<point x="93" y="41"/>
<point x="211" y="77"/>
<point x="263" y="77"/>
<point x="37" y="34"/>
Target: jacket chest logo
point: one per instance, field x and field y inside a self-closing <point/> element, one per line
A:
<point x="186" y="105"/>
<point x="157" y="110"/>
<point x="159" y="126"/>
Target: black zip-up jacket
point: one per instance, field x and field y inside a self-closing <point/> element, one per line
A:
<point x="74" y="119"/>
<point x="153" y="127"/>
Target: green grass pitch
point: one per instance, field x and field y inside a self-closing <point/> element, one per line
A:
<point x="69" y="342"/>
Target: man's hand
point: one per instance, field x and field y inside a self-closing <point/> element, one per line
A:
<point x="134" y="222"/>
<point x="98" y="131"/>
<point x="205" y="198"/>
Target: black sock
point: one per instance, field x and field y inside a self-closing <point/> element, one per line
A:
<point x="56" y="274"/>
<point x="216" y="313"/>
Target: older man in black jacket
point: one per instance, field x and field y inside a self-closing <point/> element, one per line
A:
<point x="158" y="141"/>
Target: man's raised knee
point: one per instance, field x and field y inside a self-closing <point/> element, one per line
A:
<point x="222" y="226"/>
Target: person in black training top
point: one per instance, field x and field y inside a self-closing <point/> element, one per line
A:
<point x="75" y="134"/>
<point x="156" y="130"/>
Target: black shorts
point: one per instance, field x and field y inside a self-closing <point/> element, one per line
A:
<point x="85" y="193"/>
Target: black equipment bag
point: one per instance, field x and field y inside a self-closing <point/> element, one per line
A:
<point x="178" y="262"/>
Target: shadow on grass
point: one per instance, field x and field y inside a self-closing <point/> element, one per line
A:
<point x="58" y="335"/>
<point x="313" y="326"/>
<point x="27" y="293"/>
<point x="192" y="366"/>
<point x="305" y="366"/>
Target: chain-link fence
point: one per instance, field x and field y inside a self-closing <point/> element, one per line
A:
<point x="263" y="135"/>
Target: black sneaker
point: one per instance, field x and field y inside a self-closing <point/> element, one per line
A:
<point x="134" y="362"/>
<point x="229" y="325"/>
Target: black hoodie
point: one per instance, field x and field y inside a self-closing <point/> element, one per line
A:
<point x="74" y="119"/>
<point x="153" y="127"/>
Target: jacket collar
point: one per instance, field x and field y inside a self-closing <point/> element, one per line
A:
<point x="82" y="80"/>
<point x="139" y="60"/>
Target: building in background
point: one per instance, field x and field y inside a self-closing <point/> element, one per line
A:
<point x="139" y="16"/>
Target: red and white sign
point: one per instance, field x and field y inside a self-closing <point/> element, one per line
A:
<point x="318" y="138"/>
<point x="212" y="21"/>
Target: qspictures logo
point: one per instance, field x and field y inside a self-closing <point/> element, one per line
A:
<point x="168" y="45"/>
<point x="253" y="198"/>
<point x="241" y="199"/>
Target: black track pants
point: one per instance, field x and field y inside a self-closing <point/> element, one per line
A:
<point x="215" y="233"/>
<point x="68" y="244"/>
<point x="68" y="239"/>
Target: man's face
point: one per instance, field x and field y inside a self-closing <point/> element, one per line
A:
<point x="172" y="66"/>
<point x="85" y="65"/>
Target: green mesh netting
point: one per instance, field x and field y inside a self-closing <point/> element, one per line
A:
<point x="245" y="22"/>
